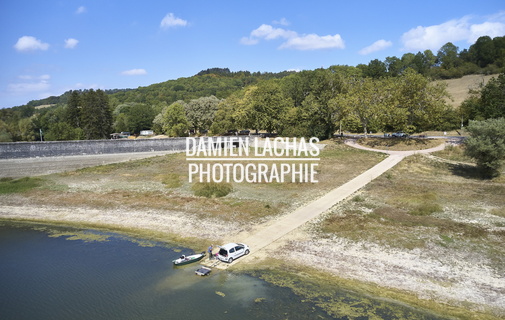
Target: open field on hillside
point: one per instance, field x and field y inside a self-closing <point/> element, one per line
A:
<point x="459" y="88"/>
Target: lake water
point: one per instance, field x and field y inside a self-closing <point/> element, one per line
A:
<point x="44" y="274"/>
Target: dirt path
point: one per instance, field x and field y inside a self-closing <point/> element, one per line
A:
<point x="274" y="230"/>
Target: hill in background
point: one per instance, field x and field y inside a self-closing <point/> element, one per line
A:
<point x="459" y="88"/>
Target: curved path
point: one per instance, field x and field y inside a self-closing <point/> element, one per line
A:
<point x="278" y="228"/>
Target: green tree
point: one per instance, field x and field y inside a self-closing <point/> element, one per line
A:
<point x="96" y="116"/>
<point x="139" y="117"/>
<point x="394" y="66"/>
<point x="200" y="112"/>
<point x="448" y="56"/>
<point x="422" y="101"/>
<point x="73" y="111"/>
<point x="487" y="145"/>
<point x="225" y="118"/>
<point x="376" y="69"/>
<point x="366" y="102"/>
<point x="63" y="131"/>
<point x="483" y="51"/>
<point x="5" y="135"/>
<point x="487" y="103"/>
<point x="492" y="98"/>
<point x="174" y="120"/>
<point x="27" y="129"/>
<point x="267" y="104"/>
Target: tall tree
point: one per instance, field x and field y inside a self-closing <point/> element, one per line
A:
<point x="493" y="98"/>
<point x="448" y="56"/>
<point x="96" y="116"/>
<point x="175" y="123"/>
<point x="73" y="114"/>
<point x="200" y="112"/>
<point x="423" y="101"/>
<point x="483" y="51"/>
<point x="394" y="66"/>
<point x="376" y="69"/>
<point x="267" y="104"/>
<point x="366" y="102"/>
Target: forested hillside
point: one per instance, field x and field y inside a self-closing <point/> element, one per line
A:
<point x="394" y="94"/>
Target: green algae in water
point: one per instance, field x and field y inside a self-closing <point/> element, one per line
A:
<point x="340" y="303"/>
<point x="86" y="236"/>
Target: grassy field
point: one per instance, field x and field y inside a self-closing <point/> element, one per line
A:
<point x="458" y="88"/>
<point x="426" y="203"/>
<point x="161" y="183"/>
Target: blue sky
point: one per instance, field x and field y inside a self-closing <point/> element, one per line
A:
<point x="51" y="46"/>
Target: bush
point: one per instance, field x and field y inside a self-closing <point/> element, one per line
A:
<point x="487" y="145"/>
<point x="211" y="189"/>
<point x="426" y="209"/>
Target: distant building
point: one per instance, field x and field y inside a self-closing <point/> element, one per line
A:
<point x="146" y="132"/>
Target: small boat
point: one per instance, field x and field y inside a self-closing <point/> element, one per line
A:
<point x="188" y="259"/>
<point x="203" y="271"/>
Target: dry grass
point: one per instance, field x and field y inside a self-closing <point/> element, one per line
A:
<point x="421" y="202"/>
<point x="454" y="153"/>
<point x="399" y="144"/>
<point x="458" y="88"/>
<point x="161" y="183"/>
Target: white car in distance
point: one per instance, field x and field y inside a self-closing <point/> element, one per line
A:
<point x="232" y="251"/>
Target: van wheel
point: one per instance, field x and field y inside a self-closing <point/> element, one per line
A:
<point x="230" y="260"/>
<point x="247" y="252"/>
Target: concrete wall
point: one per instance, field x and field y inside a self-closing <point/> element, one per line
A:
<point x="9" y="150"/>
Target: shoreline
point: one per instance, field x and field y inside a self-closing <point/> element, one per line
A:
<point x="419" y="278"/>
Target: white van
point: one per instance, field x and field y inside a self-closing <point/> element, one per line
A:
<point x="232" y="251"/>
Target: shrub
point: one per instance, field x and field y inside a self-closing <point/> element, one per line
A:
<point x="211" y="189"/>
<point x="487" y="145"/>
<point x="425" y="209"/>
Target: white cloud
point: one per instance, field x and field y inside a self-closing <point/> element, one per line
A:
<point x="30" y="84"/>
<point x="29" y="43"/>
<point x="268" y="32"/>
<point x="170" y="20"/>
<point x="249" y="41"/>
<point x="71" y="43"/>
<point x="492" y="29"/>
<point x="292" y="39"/>
<point x="376" y="46"/>
<point x="282" y="22"/>
<point x="314" y="42"/>
<point x="434" y="37"/>
<point x="81" y="10"/>
<point x="134" y="72"/>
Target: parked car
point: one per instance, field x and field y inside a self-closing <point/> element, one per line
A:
<point x="399" y="135"/>
<point x="232" y="251"/>
<point x="268" y="135"/>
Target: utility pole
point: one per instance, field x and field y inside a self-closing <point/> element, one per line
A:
<point x="40" y="130"/>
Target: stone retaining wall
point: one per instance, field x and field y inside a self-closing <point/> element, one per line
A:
<point x="9" y="150"/>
